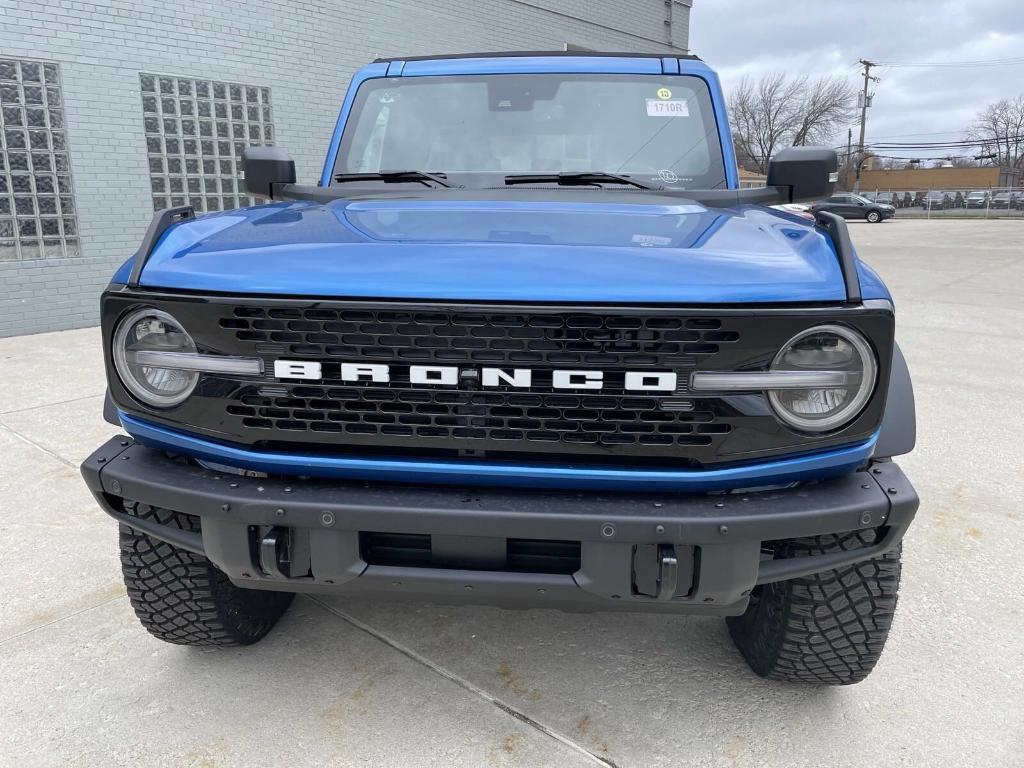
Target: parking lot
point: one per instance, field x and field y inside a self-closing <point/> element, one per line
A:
<point x="343" y="682"/>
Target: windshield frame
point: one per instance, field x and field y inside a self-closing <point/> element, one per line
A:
<point x="720" y="155"/>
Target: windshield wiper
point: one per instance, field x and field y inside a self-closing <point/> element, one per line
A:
<point x="569" y="178"/>
<point x="394" y="176"/>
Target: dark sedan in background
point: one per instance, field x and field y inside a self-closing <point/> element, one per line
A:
<point x="851" y="206"/>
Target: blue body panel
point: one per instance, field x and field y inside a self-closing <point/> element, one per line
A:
<point x="775" y="472"/>
<point x="502" y="250"/>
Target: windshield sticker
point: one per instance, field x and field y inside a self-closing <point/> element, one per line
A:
<point x="668" y="176"/>
<point x="664" y="93"/>
<point x="650" y="241"/>
<point x="670" y="108"/>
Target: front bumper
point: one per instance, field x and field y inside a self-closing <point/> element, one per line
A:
<point x="699" y="553"/>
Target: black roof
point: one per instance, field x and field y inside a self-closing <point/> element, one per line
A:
<point x="508" y="54"/>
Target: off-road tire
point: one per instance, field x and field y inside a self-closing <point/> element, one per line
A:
<point x="873" y="217"/>
<point x="827" y="628"/>
<point x="182" y="598"/>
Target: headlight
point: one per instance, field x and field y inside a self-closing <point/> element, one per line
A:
<point x="831" y="348"/>
<point x="150" y="331"/>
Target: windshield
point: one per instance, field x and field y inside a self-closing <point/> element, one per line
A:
<point x="651" y="128"/>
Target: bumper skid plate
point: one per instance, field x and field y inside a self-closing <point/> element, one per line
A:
<point x="670" y="552"/>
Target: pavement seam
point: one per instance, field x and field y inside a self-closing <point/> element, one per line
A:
<point x="49" y="405"/>
<point x="1009" y="262"/>
<point x="33" y="443"/>
<point x="466" y="685"/>
<point x="62" y="618"/>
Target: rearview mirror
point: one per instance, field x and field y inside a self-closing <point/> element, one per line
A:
<point x="264" y="167"/>
<point x="810" y="173"/>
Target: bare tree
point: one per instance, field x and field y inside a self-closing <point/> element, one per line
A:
<point x="776" y="112"/>
<point x="962" y="161"/>
<point x="762" y="114"/>
<point x="826" y="105"/>
<point x="884" y="163"/>
<point x="1000" y="129"/>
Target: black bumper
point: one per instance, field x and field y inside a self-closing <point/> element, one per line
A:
<point x="585" y="550"/>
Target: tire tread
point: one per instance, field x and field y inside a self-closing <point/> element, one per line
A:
<point x="181" y="597"/>
<point x="828" y="627"/>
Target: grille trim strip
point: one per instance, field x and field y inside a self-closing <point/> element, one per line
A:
<point x="835" y="461"/>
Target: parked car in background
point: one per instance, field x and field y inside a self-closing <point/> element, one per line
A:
<point x="936" y="200"/>
<point x="978" y="199"/>
<point x="797" y="209"/>
<point x="1004" y="200"/>
<point x="851" y="206"/>
<point x="884" y="197"/>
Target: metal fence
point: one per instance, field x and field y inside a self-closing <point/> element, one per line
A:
<point x="952" y="203"/>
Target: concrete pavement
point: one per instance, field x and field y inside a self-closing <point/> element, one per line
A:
<point x="346" y="682"/>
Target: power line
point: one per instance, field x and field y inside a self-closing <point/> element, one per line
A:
<point x="965" y="144"/>
<point x="1011" y="61"/>
<point x="903" y="135"/>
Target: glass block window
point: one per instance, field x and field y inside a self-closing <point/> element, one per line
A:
<point x="195" y="133"/>
<point x="37" y="204"/>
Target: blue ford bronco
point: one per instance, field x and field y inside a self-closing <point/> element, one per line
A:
<point x="525" y="343"/>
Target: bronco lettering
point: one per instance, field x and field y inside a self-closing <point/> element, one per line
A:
<point x="449" y="375"/>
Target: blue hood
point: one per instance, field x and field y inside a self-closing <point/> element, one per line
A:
<point x="511" y="249"/>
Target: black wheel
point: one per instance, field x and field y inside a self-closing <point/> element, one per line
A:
<point x="182" y="598"/>
<point x="827" y="628"/>
<point x="873" y="217"/>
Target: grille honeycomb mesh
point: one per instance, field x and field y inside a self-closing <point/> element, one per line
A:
<point x="625" y="341"/>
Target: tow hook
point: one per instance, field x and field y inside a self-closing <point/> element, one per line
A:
<point x="274" y="554"/>
<point x="668" y="571"/>
<point x="655" y="571"/>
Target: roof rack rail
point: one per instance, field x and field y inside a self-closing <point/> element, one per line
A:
<point x="513" y="54"/>
<point x="836" y="228"/>
<point x="162" y="221"/>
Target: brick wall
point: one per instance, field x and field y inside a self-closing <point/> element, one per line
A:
<point x="304" y="50"/>
<point x="935" y="178"/>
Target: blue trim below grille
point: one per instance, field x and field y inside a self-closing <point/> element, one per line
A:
<point x="778" y="471"/>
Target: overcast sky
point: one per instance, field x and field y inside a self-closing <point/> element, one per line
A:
<point x="739" y="37"/>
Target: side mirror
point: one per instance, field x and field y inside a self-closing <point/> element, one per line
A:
<point x="264" y="167"/>
<point x="810" y="173"/>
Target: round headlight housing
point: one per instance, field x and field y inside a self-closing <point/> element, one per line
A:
<point x="151" y="330"/>
<point x="831" y="348"/>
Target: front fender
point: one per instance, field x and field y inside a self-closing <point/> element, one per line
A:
<point x="899" y="422"/>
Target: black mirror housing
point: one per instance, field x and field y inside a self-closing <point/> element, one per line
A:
<point x="810" y="173"/>
<point x="264" y="167"/>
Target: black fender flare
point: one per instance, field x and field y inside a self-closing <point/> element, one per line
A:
<point x="110" y="410"/>
<point x="898" y="434"/>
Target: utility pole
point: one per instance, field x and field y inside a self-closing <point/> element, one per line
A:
<point x="849" y="159"/>
<point x="863" y="117"/>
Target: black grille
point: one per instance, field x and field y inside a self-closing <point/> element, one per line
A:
<point x="614" y="418"/>
<point x="480" y="338"/>
<point x="589" y="420"/>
